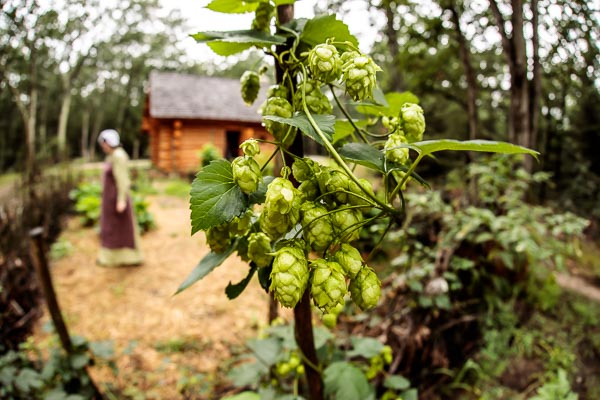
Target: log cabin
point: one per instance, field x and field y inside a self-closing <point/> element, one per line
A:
<point x="184" y="112"/>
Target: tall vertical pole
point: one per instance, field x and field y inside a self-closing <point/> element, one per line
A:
<point x="303" y="327"/>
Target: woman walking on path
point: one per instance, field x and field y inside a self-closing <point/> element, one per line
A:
<point x="119" y="236"/>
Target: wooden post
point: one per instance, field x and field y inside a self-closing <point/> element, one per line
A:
<point x="303" y="327"/>
<point x="40" y="264"/>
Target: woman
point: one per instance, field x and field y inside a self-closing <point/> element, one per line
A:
<point x="119" y="235"/>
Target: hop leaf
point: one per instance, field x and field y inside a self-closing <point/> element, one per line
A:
<point x="365" y="289"/>
<point x="328" y="285"/>
<point x="359" y="74"/>
<point x="413" y="122"/>
<point x="246" y="174"/>
<point x="325" y="63"/>
<point x="350" y="260"/>
<point x="289" y="277"/>
<point x="393" y="151"/>
<point x="250" y="86"/>
<point x="316" y="226"/>
<point x="259" y="245"/>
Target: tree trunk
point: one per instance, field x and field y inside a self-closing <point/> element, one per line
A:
<point x="65" y="107"/>
<point x="536" y="84"/>
<point x="85" y="134"/>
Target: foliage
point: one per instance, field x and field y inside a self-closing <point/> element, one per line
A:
<point x="352" y="368"/>
<point x="209" y="152"/>
<point x="27" y="374"/>
<point x="87" y="198"/>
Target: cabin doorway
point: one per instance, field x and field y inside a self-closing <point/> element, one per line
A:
<point x="232" y="144"/>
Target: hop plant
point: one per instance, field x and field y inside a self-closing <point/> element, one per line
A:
<point x="316" y="101"/>
<point x="282" y="196"/>
<point x="279" y="107"/>
<point x="359" y="74"/>
<point x="338" y="184"/>
<point x="277" y="91"/>
<point x="309" y="189"/>
<point x="250" y="147"/>
<point x="218" y="238"/>
<point x="289" y="277"/>
<point x="275" y="224"/>
<point x="328" y="284"/>
<point x="355" y="200"/>
<point x="316" y="226"/>
<point x="413" y="122"/>
<point x="346" y="224"/>
<point x="304" y="169"/>
<point x="393" y="151"/>
<point x="350" y="260"/>
<point x="259" y="247"/>
<point x="246" y="174"/>
<point x="240" y="225"/>
<point x="262" y="16"/>
<point x="325" y="63"/>
<point x="365" y="289"/>
<point x="250" y="86"/>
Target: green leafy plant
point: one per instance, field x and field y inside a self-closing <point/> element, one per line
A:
<point x="209" y="152"/>
<point x="319" y="60"/>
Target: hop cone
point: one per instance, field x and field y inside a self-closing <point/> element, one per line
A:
<point x="338" y="184"/>
<point x="262" y="16"/>
<point x="277" y="91"/>
<point x="250" y="147"/>
<point x="275" y="224"/>
<point x="413" y="121"/>
<point x="239" y="226"/>
<point x="279" y="107"/>
<point x="346" y="224"/>
<point x="217" y="238"/>
<point x="365" y="289"/>
<point x="316" y="101"/>
<point x="289" y="276"/>
<point x="309" y="189"/>
<point x="325" y="63"/>
<point x="246" y="174"/>
<point x="250" y="86"/>
<point x="358" y="201"/>
<point x="359" y="74"/>
<point x="328" y="285"/>
<point x="392" y="150"/>
<point x="350" y="260"/>
<point x="304" y="169"/>
<point x="282" y="196"/>
<point x="259" y="245"/>
<point x="316" y="225"/>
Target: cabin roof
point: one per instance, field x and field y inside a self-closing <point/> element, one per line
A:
<point x="188" y="96"/>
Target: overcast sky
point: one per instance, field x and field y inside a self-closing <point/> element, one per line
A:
<point x="202" y="19"/>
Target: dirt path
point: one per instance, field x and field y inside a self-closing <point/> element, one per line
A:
<point x="578" y="285"/>
<point x="136" y="305"/>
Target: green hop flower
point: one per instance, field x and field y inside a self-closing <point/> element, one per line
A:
<point x="274" y="224"/>
<point x="365" y="289"/>
<point x="262" y="16"/>
<point x="304" y="169"/>
<point x="316" y="226"/>
<point x="330" y="318"/>
<point x="413" y="122"/>
<point x="338" y="184"/>
<point x="277" y="91"/>
<point x="359" y="74"/>
<point x="354" y="188"/>
<point x="350" y="260"/>
<point x="392" y="150"/>
<point x="240" y="225"/>
<point x="316" y="101"/>
<point x="309" y="189"/>
<point x="250" y="86"/>
<point x="289" y="276"/>
<point x="250" y="147"/>
<point x="279" y="107"/>
<point x="325" y="63"/>
<point x="346" y="224"/>
<point x="246" y="174"/>
<point x="259" y="245"/>
<point x="391" y="123"/>
<point x="282" y="196"/>
<point x="218" y="238"/>
<point x="328" y="284"/>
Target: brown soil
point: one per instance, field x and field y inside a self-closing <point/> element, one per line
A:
<point x="137" y="304"/>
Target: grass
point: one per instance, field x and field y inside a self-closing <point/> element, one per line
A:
<point x="177" y="188"/>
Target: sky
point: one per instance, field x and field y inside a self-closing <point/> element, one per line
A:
<point x="200" y="18"/>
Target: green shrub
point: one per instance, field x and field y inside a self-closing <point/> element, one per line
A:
<point x="209" y="152"/>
